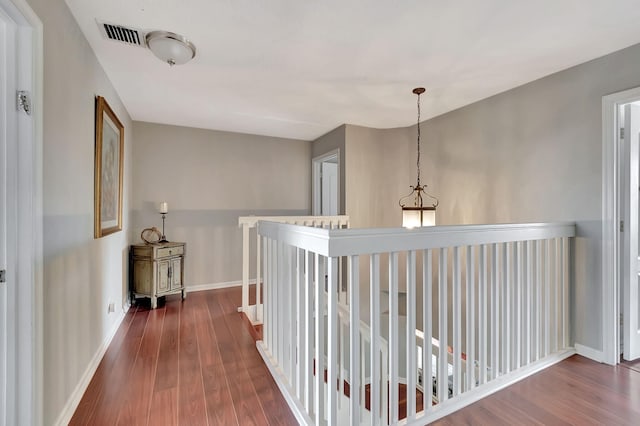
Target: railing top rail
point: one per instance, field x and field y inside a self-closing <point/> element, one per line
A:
<point x="251" y="221"/>
<point x="356" y="241"/>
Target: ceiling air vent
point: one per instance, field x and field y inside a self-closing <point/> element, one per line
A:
<point x="122" y="34"/>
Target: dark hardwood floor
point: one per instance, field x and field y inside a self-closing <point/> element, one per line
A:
<point x="576" y="391"/>
<point x="195" y="363"/>
<point x="185" y="363"/>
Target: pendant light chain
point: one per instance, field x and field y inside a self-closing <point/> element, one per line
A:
<point x="418" y="161"/>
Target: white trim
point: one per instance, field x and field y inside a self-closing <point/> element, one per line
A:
<point x="474" y="395"/>
<point x="589" y="352"/>
<point x="73" y="401"/>
<point x="278" y="376"/>
<point x="29" y="298"/>
<point x="216" y="286"/>
<point x="611" y="217"/>
<point x="316" y="164"/>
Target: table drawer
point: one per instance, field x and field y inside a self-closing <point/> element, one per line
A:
<point x="170" y="251"/>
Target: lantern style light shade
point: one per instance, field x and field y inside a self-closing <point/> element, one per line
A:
<point x="415" y="217"/>
<point x="171" y="48"/>
<point x="418" y="214"/>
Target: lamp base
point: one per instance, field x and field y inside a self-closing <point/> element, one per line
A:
<point x="163" y="240"/>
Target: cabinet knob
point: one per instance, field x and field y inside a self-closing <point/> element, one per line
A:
<point x="170" y="252"/>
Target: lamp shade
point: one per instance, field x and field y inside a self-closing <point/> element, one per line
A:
<point x="415" y="217"/>
<point x="171" y="48"/>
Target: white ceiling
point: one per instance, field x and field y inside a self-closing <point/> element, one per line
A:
<point x="298" y="69"/>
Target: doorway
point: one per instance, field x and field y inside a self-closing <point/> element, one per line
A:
<point x="621" y="226"/>
<point x="326" y="184"/>
<point x="20" y="214"/>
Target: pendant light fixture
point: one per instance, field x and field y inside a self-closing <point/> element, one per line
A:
<point x="419" y="214"/>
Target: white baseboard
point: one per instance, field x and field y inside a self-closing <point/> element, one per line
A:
<point x="216" y="286"/>
<point x="72" y="403"/>
<point x="589" y="352"/>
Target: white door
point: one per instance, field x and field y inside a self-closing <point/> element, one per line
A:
<point x="631" y="261"/>
<point x="4" y="104"/>
<point x="329" y="189"/>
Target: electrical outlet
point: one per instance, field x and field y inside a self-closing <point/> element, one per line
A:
<point x="112" y="307"/>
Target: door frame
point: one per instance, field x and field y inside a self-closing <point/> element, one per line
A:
<point x="612" y="215"/>
<point x="26" y="360"/>
<point x="316" y="167"/>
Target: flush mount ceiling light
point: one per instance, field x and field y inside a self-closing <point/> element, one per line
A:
<point x="171" y="48"/>
<point x="418" y="214"/>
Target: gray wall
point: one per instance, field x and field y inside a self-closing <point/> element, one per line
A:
<point x="335" y="139"/>
<point x="209" y="178"/>
<point x="530" y="154"/>
<point x="81" y="275"/>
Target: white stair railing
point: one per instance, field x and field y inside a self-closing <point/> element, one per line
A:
<point x="502" y="313"/>
<point x="254" y="312"/>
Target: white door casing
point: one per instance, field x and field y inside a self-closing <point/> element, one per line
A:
<point x="7" y="137"/>
<point x="21" y="204"/>
<point x="631" y="254"/>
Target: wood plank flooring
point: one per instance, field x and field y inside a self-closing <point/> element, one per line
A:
<point x="576" y="391"/>
<point x="195" y="363"/>
<point x="185" y="363"/>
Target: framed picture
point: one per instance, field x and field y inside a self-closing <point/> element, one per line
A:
<point x="108" y="170"/>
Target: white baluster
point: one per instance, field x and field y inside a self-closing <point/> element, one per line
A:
<point x="427" y="328"/>
<point x="411" y="335"/>
<point x="471" y="315"/>
<point x="565" y="291"/>
<point x="528" y="300"/>
<point x="375" y="333"/>
<point x="553" y="296"/>
<point x="275" y="330"/>
<point x="558" y="294"/>
<point x="245" y="269"/>
<point x="266" y="325"/>
<point x="319" y="357"/>
<point x="308" y="335"/>
<point x="443" y="308"/>
<point x="363" y="373"/>
<point x="384" y="389"/>
<point x="457" y="323"/>
<point x="286" y="311"/>
<point x="495" y="311"/>
<point x="518" y="305"/>
<point x="332" y="356"/>
<point x="547" y="299"/>
<point x="482" y="314"/>
<point x="259" y="314"/>
<point x="300" y="323"/>
<point x="538" y="309"/>
<point x="506" y="310"/>
<point x="393" y="338"/>
<point x="292" y="308"/>
<point x="354" y="338"/>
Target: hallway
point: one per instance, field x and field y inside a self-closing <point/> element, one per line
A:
<point x="195" y="363"/>
<point x="191" y="363"/>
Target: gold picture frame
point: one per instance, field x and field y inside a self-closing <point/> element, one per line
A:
<point x="109" y="157"/>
